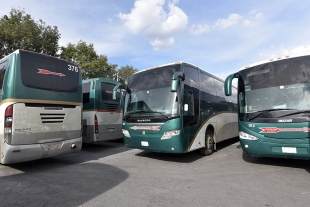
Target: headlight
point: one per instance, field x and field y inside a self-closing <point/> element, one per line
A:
<point x="169" y="134"/>
<point x="126" y="133"/>
<point x="244" y="135"/>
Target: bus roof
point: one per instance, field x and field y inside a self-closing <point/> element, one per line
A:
<point x="17" y="52"/>
<point x="179" y="62"/>
<point x="111" y="80"/>
<point x="276" y="59"/>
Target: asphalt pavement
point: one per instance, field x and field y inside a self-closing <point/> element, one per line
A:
<point x="109" y="174"/>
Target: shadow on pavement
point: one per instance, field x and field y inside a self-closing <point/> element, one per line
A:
<point x="52" y="182"/>
<point x="66" y="180"/>
<point x="281" y="162"/>
<point x="186" y="157"/>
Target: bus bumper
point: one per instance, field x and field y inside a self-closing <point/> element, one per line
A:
<point x="155" y="144"/>
<point x="283" y="148"/>
<point x="22" y="153"/>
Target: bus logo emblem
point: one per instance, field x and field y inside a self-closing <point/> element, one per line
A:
<point x="154" y="128"/>
<point x="47" y="72"/>
<point x="277" y="130"/>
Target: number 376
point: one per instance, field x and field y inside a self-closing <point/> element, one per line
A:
<point x="73" y="68"/>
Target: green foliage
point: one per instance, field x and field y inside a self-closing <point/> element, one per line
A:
<point x="125" y="72"/>
<point x="20" y="31"/>
<point x="91" y="64"/>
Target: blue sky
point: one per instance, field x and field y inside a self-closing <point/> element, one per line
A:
<point x="218" y="36"/>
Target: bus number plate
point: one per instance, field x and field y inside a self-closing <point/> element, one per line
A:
<point x="145" y="143"/>
<point x="289" y="150"/>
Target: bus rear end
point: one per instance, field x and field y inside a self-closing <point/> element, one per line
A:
<point x="102" y="116"/>
<point x="41" y="108"/>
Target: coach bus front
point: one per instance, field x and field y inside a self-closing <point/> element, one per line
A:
<point x="274" y="107"/>
<point x="41" y="107"/>
<point x="151" y="118"/>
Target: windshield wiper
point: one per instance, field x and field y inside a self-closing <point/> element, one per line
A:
<point x="146" y="111"/>
<point x="267" y="111"/>
<point x="297" y="112"/>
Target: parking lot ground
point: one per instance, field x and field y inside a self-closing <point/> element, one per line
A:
<point x="108" y="174"/>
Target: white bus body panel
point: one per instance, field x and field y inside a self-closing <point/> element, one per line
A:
<point x="39" y="132"/>
<point x="109" y="126"/>
<point x="225" y="127"/>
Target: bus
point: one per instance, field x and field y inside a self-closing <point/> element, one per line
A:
<point x="177" y="108"/>
<point x="40" y="107"/>
<point x="274" y="107"/>
<point x="102" y="115"/>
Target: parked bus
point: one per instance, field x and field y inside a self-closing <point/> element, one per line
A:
<point x="40" y="107"/>
<point x="102" y="115"/>
<point x="274" y="107"/>
<point x="177" y="108"/>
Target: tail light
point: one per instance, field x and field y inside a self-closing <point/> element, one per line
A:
<point x="8" y="119"/>
<point x="96" y="124"/>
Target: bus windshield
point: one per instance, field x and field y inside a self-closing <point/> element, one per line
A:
<point x="279" y="85"/>
<point x="150" y="93"/>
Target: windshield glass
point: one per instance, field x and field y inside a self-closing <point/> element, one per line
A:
<point x="150" y="91"/>
<point x="281" y="84"/>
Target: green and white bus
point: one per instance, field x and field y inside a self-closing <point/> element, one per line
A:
<point x="40" y="107"/>
<point x="102" y="115"/>
<point x="177" y="108"/>
<point x="274" y="107"/>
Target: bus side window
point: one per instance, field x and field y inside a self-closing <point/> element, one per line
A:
<point x="188" y="103"/>
<point x="3" y="67"/>
<point x="191" y="83"/>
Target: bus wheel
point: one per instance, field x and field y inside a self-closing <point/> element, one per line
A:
<point x="209" y="144"/>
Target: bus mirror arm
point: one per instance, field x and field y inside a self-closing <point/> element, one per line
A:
<point x="119" y="87"/>
<point x="228" y="83"/>
<point x="177" y="76"/>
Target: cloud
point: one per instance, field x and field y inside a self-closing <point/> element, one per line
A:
<point x="198" y="29"/>
<point x="232" y="20"/>
<point x="300" y="49"/>
<point x="149" y="18"/>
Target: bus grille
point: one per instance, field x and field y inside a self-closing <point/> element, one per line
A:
<point x="52" y="118"/>
<point x="111" y="106"/>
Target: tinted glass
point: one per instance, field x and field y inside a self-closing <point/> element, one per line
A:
<point x="107" y="92"/>
<point x="3" y="67"/>
<point x="207" y="84"/>
<point x="48" y="73"/>
<point x="86" y="90"/>
<point x="219" y="88"/>
<point x="154" y="78"/>
<point x="191" y="85"/>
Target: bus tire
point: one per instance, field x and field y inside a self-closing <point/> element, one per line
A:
<point x="209" y="144"/>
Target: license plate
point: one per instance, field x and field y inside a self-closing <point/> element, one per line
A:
<point x="289" y="150"/>
<point x="145" y="143"/>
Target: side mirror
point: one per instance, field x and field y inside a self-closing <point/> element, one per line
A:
<point x="177" y="76"/>
<point x="121" y="88"/>
<point x="228" y="83"/>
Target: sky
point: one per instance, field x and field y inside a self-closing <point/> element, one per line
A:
<point x="218" y="36"/>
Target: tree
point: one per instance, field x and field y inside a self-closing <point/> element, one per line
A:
<point x="20" y="31"/>
<point x="125" y="72"/>
<point x="91" y="64"/>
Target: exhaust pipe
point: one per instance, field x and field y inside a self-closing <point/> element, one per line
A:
<point x="73" y="146"/>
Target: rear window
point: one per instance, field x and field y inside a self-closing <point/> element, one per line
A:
<point x="48" y="73"/>
<point x="107" y="92"/>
